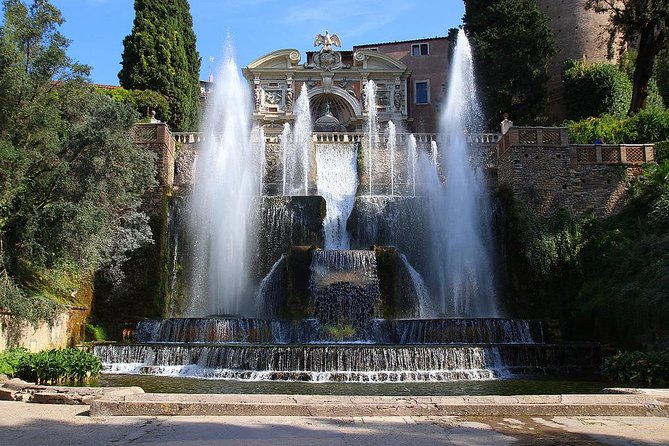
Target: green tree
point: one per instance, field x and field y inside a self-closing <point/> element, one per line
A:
<point x="71" y="179"/>
<point x="513" y="45"/>
<point x="595" y="90"/>
<point x="142" y="101"/>
<point x="662" y="75"/>
<point x="160" y="55"/>
<point x="644" y="25"/>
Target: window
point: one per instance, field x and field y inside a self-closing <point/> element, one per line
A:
<point x="420" y="49"/>
<point x="422" y="92"/>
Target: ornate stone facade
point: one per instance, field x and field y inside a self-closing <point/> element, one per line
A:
<point x="335" y="82"/>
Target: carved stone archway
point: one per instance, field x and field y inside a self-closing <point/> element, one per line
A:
<point x="343" y="105"/>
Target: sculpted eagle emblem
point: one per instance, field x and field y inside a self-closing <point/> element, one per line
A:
<point x="327" y="41"/>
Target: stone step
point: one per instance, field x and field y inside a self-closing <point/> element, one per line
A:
<point x="152" y="404"/>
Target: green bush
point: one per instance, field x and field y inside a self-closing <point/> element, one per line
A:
<point x="650" y="369"/>
<point x="64" y="366"/>
<point x="96" y="333"/>
<point x="142" y="101"/>
<point x="11" y="360"/>
<point x="647" y="126"/>
<point x="596" y="89"/>
<point x="662" y="151"/>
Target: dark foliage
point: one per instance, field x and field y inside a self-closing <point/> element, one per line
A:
<point x="513" y="45"/>
<point x="160" y="55"/>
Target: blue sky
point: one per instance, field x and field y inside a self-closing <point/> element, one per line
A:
<point x="257" y="27"/>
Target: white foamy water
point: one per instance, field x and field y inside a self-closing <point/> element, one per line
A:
<point x="298" y="154"/>
<point x="460" y="210"/>
<point x="221" y="216"/>
<point x="337" y="179"/>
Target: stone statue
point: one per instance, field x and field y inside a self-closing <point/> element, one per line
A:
<point x="506" y="123"/>
<point x="153" y="119"/>
<point x="289" y="100"/>
<point x="256" y="96"/>
<point x="327" y="59"/>
<point x="327" y="41"/>
<point x="398" y="100"/>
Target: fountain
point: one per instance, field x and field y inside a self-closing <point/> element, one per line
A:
<point x="419" y="305"/>
<point x="298" y="154"/>
<point x="221" y="215"/>
<point x="463" y="246"/>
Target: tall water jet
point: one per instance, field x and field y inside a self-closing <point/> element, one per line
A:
<point x="460" y="210"/>
<point x="258" y="142"/>
<point x="298" y="156"/>
<point x="392" y="144"/>
<point x="337" y="179"/>
<point x="221" y="216"/>
<point x="285" y="147"/>
<point x="413" y="158"/>
<point x="372" y="127"/>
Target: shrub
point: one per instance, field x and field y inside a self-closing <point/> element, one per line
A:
<point x="10" y="361"/>
<point x="596" y="89"/>
<point x="96" y="333"/>
<point x="142" y="101"/>
<point x="662" y="151"/>
<point x="647" y="126"/>
<point x="639" y="368"/>
<point x="50" y="366"/>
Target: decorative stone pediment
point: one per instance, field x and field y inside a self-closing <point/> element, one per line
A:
<point x="276" y="60"/>
<point x="375" y="61"/>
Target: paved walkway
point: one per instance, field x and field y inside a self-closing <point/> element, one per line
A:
<point x="43" y="424"/>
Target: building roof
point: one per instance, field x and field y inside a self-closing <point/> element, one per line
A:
<point x="106" y="87"/>
<point x="402" y="41"/>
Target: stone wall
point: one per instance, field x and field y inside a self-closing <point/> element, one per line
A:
<point x="545" y="173"/>
<point x="44" y="336"/>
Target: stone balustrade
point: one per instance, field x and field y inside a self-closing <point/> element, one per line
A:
<point x="158" y="138"/>
<point x="348" y="137"/>
<point x="188" y="137"/>
<point x="533" y="136"/>
<point x="612" y="154"/>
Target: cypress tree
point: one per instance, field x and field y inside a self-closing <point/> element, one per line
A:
<point x="160" y="55"/>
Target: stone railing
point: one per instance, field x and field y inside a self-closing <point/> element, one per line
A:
<point x="349" y="137"/>
<point x="533" y="136"/>
<point x="336" y="137"/>
<point x="612" y="153"/>
<point x="188" y="137"/>
<point x="159" y="139"/>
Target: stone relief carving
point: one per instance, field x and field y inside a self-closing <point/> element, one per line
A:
<point x="398" y="99"/>
<point x="256" y="95"/>
<point x="273" y="97"/>
<point x="327" y="59"/>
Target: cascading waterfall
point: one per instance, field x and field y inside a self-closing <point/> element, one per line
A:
<point x="460" y="209"/>
<point x="298" y="156"/>
<point x="388" y="332"/>
<point x="271" y="297"/>
<point x="337" y="179"/>
<point x="222" y="215"/>
<point x="372" y="128"/>
<point x="392" y="144"/>
<point x="419" y="288"/>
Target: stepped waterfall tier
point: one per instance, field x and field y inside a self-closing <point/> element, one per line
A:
<point x="361" y="257"/>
